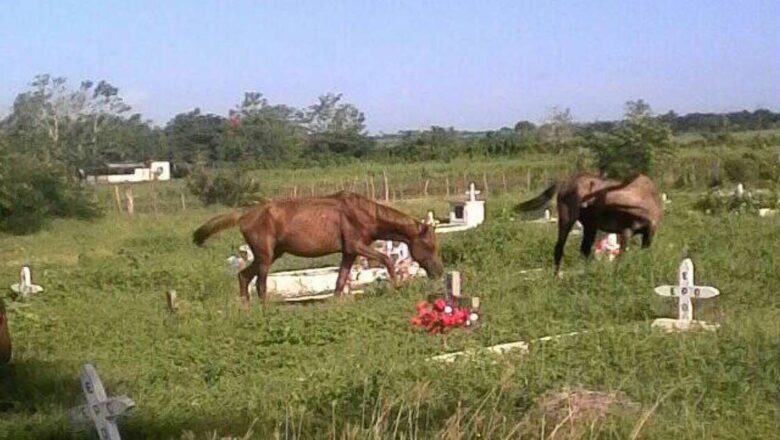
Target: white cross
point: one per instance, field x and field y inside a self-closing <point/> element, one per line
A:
<point x="25" y="287"/>
<point x="685" y="289"/>
<point x="100" y="409"/>
<point x="472" y="192"/>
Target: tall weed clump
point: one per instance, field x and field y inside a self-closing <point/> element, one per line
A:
<point x="34" y="193"/>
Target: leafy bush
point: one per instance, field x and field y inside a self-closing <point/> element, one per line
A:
<point x="223" y="186"/>
<point x="31" y="194"/>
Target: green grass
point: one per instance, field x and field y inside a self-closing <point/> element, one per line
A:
<point x="356" y="369"/>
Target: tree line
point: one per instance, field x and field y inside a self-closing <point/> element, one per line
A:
<point x="88" y="124"/>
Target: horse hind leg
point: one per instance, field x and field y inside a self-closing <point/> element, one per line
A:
<point x="568" y="213"/>
<point x="245" y="277"/>
<point x="347" y="260"/>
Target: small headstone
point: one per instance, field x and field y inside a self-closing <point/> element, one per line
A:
<point x="547" y="215"/>
<point x="100" y="409"/>
<point x="170" y="297"/>
<point x="684" y="291"/>
<point x="452" y="287"/>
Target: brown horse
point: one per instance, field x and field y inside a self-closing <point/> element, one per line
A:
<point x="312" y="227"/>
<point x="5" y="336"/>
<point x="625" y="208"/>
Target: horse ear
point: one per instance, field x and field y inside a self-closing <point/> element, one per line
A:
<point x="424" y="228"/>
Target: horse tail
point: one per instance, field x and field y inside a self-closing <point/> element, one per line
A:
<point x="539" y="201"/>
<point x="216" y="224"/>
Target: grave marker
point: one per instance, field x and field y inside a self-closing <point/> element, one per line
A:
<point x="100" y="409"/>
<point x="170" y="299"/>
<point x="25" y="287"/>
<point x="684" y="291"/>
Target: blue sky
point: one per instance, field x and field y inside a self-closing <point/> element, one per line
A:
<point x="473" y="65"/>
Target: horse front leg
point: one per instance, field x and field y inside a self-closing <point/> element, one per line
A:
<point x="347" y="260"/>
<point x="647" y="237"/>
<point x="588" y="238"/>
<point x="369" y="252"/>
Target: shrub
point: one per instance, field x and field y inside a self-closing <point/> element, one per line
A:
<point x="718" y="202"/>
<point x="31" y="194"/>
<point x="223" y="187"/>
<point x="741" y="169"/>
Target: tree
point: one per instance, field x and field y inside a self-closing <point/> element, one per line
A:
<point x="633" y="146"/>
<point x="55" y="123"/>
<point x="558" y="130"/>
<point x="194" y="137"/>
<point x="335" y="128"/>
<point x="263" y="132"/>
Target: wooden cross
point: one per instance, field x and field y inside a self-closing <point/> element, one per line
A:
<point x="100" y="409"/>
<point x="685" y="290"/>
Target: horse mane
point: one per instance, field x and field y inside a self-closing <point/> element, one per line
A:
<point x="394" y="220"/>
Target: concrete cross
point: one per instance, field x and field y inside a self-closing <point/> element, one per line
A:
<point x="100" y="409"/>
<point x="472" y="192"/>
<point x="685" y="290"/>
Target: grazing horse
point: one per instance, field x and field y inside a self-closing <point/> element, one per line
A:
<point x="312" y="227"/>
<point x="625" y="208"/>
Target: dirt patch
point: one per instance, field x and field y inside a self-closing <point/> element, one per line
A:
<point x="576" y="413"/>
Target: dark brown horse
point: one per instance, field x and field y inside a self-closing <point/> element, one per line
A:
<point x="312" y="227"/>
<point x="625" y="208"/>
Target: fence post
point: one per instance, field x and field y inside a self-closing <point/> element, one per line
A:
<point x="183" y="202"/>
<point x="528" y="179"/>
<point x="130" y="201"/>
<point x="425" y="188"/>
<point x="387" y="188"/>
<point x="485" y="182"/>
<point x="447" y="184"/>
<point x="117" y="199"/>
<point x="503" y="180"/>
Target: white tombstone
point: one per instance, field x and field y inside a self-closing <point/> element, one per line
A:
<point x="469" y="213"/>
<point x="25" y="287"/>
<point x="684" y="291"/>
<point x="547" y="215"/>
<point x="100" y="409"/>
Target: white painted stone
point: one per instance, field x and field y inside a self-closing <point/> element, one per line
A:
<point x="740" y="191"/>
<point x="100" y="409"/>
<point x="521" y="346"/>
<point x="684" y="291"/>
<point x="766" y="212"/>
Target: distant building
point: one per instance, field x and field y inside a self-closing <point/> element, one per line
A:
<point x="128" y="172"/>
